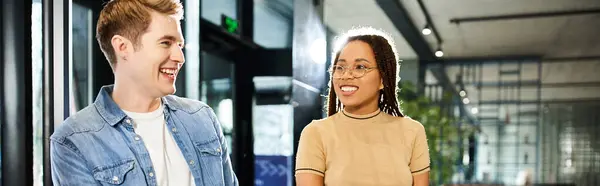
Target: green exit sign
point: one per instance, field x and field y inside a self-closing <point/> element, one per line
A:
<point x="230" y="24"/>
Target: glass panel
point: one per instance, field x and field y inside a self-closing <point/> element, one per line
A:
<point x="82" y="57"/>
<point x="273" y="130"/>
<point x="212" y="10"/>
<point x="217" y="91"/>
<point x="273" y="23"/>
<point x="37" y="91"/>
<point x="272" y="124"/>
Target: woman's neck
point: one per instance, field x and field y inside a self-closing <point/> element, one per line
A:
<point x="360" y="110"/>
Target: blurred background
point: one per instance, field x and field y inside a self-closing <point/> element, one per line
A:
<point x="508" y="91"/>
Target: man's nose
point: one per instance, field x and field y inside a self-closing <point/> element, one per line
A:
<point x="177" y="55"/>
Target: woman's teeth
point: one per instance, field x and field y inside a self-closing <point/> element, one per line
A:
<point x="349" y="88"/>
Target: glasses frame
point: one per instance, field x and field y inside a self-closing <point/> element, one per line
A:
<point x="352" y="71"/>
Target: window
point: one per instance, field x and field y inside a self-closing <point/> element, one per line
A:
<point x="81" y="95"/>
<point x="212" y="10"/>
<point x="273" y="23"/>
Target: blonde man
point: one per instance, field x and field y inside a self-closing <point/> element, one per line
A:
<point x="137" y="132"/>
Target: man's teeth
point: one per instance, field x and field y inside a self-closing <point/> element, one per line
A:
<point x="349" y="88"/>
<point x="168" y="71"/>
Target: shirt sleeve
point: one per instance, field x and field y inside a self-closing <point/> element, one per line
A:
<point x="230" y="178"/>
<point x="419" y="161"/>
<point x="68" y="166"/>
<point x="310" y="157"/>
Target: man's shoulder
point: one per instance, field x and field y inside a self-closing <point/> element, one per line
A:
<point x="86" y="120"/>
<point x="186" y="104"/>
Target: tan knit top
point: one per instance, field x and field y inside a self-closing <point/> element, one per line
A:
<point x="373" y="149"/>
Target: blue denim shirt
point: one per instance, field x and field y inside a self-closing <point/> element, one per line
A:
<point x="96" y="146"/>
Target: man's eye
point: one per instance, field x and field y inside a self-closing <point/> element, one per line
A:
<point x="166" y="43"/>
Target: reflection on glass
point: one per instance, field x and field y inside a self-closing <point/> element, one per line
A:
<point x="226" y="114"/>
<point x="217" y="92"/>
<point x="82" y="57"/>
<point x="212" y="10"/>
<point x="273" y="130"/>
<point x="37" y="66"/>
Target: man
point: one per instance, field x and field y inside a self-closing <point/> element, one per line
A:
<point x="136" y="132"/>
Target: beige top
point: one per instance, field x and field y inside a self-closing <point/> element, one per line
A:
<point x="373" y="149"/>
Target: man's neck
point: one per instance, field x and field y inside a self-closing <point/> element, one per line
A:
<point x="132" y="99"/>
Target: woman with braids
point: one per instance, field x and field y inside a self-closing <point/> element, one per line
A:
<point x="365" y="140"/>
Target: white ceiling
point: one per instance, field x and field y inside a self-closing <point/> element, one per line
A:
<point x="563" y="36"/>
<point x="342" y="15"/>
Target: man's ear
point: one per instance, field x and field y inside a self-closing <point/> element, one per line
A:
<point x="122" y="46"/>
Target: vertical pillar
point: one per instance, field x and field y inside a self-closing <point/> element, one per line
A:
<point x="243" y="98"/>
<point x="16" y="95"/>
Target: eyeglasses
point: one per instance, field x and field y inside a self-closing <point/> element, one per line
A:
<point x="359" y="71"/>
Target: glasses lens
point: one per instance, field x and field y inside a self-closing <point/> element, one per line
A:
<point x="359" y="72"/>
<point x="338" y="71"/>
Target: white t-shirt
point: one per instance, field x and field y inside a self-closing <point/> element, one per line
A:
<point x="170" y="167"/>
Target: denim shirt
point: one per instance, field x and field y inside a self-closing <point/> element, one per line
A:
<point x="97" y="145"/>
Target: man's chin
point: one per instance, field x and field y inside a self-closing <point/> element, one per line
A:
<point x="165" y="91"/>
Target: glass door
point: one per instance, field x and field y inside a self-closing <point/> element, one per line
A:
<point x="217" y="90"/>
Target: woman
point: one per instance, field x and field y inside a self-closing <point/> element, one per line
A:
<point x="365" y="140"/>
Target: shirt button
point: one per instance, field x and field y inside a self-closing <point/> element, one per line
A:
<point x="128" y="121"/>
<point x="218" y="149"/>
<point x="151" y="174"/>
<point x="115" y="179"/>
<point x="174" y="129"/>
<point x="137" y="138"/>
<point x="191" y="162"/>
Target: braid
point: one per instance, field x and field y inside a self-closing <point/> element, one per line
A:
<point x="386" y="60"/>
<point x="332" y="101"/>
<point x="387" y="63"/>
<point x="333" y="104"/>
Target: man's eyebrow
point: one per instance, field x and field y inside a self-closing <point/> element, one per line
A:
<point x="172" y="38"/>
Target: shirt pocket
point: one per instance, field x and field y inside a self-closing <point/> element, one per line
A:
<point x="113" y="174"/>
<point x="211" y="148"/>
<point x="211" y="162"/>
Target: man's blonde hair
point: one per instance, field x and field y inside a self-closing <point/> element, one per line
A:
<point x="130" y="19"/>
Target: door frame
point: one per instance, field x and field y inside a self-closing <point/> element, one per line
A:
<point x="241" y="52"/>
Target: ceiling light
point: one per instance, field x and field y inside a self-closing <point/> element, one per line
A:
<point x="439" y="53"/>
<point x="462" y="93"/>
<point x="466" y="100"/>
<point x="318" y="51"/>
<point x="426" y="31"/>
<point x="474" y="110"/>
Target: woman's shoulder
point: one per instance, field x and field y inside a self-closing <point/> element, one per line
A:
<point x="406" y="122"/>
<point x="321" y="125"/>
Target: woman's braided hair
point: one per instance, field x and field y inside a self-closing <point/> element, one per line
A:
<point x="387" y="64"/>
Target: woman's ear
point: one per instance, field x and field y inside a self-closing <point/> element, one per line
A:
<point x="381" y="85"/>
